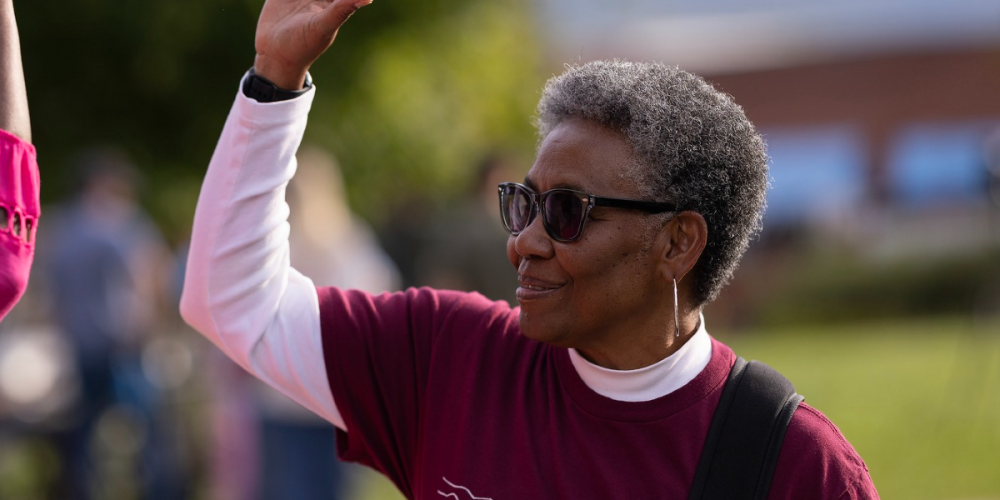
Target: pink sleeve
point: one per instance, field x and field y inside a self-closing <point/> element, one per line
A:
<point x="19" y="211"/>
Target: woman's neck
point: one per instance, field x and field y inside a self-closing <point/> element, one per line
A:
<point x="638" y="351"/>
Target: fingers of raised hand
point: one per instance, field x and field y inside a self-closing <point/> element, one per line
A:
<point x="337" y="12"/>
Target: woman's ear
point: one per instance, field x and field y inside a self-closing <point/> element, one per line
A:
<point x="686" y="235"/>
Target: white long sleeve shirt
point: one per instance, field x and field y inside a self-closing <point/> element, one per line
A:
<point x="241" y="292"/>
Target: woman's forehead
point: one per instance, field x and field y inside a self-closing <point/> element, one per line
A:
<point x="583" y="155"/>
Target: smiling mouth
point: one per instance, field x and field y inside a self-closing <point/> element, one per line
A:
<point x="535" y="288"/>
<point x="528" y="293"/>
<point x="531" y="289"/>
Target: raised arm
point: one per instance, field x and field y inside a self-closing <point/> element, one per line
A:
<point x="240" y="290"/>
<point x="13" y="98"/>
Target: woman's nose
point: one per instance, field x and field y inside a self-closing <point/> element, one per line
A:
<point x="534" y="241"/>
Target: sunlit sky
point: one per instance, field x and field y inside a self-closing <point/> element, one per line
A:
<point x="713" y="36"/>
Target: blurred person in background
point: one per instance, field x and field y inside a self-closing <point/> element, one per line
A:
<point x="404" y="237"/>
<point x="19" y="181"/>
<point x="330" y="242"/>
<point x="106" y="269"/>
<point x="295" y="449"/>
<point x="602" y="384"/>
<point x="465" y="245"/>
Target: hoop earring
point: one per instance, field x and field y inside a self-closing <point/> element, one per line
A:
<point x="677" y="323"/>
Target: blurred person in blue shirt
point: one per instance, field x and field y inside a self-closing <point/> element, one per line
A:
<point x="103" y="263"/>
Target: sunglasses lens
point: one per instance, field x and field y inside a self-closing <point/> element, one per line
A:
<point x="562" y="211"/>
<point x="563" y="214"/>
<point x="515" y="208"/>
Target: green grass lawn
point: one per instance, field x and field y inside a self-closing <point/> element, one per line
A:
<point x="918" y="399"/>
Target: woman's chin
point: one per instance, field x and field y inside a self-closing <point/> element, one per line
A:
<point x="543" y="328"/>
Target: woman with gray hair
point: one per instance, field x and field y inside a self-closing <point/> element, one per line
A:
<point x="602" y="383"/>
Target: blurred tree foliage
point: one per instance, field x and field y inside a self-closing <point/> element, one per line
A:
<point x="411" y="95"/>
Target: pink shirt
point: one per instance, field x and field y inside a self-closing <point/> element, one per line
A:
<point x="19" y="211"/>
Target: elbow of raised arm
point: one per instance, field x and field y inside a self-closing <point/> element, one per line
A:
<point x="189" y="309"/>
<point x="194" y="306"/>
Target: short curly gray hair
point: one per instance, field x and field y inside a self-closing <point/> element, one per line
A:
<point x="697" y="147"/>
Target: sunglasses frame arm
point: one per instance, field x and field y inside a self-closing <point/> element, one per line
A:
<point x="645" y="206"/>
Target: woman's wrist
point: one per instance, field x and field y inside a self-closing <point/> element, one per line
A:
<point x="282" y="76"/>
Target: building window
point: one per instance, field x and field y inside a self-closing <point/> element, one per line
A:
<point x="817" y="174"/>
<point x="939" y="163"/>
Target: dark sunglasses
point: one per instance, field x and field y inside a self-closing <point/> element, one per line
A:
<point x="564" y="211"/>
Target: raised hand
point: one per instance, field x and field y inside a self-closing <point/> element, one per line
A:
<point x="292" y="34"/>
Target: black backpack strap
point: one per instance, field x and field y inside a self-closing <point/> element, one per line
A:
<point x="744" y="441"/>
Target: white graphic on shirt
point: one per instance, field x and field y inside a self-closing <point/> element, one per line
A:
<point x="463" y="488"/>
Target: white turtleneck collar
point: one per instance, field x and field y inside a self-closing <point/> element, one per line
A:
<point x="651" y="382"/>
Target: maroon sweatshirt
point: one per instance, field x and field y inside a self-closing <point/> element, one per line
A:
<point x="442" y="394"/>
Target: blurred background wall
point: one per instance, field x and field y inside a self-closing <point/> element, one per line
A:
<point x="875" y="285"/>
